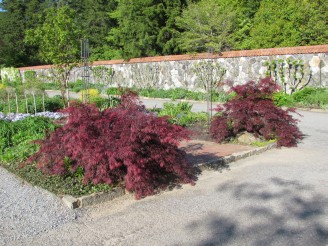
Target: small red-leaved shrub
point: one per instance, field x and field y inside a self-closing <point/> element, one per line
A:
<point x="253" y="110"/>
<point x="122" y="144"/>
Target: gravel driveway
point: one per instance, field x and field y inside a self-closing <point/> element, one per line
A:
<point x="277" y="198"/>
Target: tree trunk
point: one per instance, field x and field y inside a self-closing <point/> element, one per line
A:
<point x="26" y="104"/>
<point x="34" y="102"/>
<point x="9" y="108"/>
<point x="16" y="103"/>
<point x="43" y="107"/>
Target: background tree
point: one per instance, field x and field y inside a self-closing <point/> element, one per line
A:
<point x="243" y="21"/>
<point x="137" y="29"/>
<point x="93" y="16"/>
<point x="145" y="28"/>
<point x="206" y="25"/>
<point x="289" y="23"/>
<point x="17" y="17"/>
<point x="169" y="31"/>
<point x="58" y="40"/>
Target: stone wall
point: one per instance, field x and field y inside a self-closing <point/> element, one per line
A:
<point x="178" y="71"/>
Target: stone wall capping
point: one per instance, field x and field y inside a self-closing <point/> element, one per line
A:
<point x="225" y="54"/>
<point x="176" y="71"/>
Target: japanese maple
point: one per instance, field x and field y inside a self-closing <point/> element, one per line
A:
<point x="253" y="110"/>
<point x="122" y="144"/>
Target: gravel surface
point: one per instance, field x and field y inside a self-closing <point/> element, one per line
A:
<point x="26" y="211"/>
<point x="277" y="198"/>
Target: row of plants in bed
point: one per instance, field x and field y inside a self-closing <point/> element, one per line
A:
<point x="129" y="146"/>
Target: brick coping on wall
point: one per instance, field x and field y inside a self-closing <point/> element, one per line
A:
<point x="226" y="54"/>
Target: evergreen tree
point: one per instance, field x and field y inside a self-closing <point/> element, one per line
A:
<point x="97" y="24"/>
<point x="145" y="28"/>
<point x="18" y="15"/>
<point x="169" y="32"/>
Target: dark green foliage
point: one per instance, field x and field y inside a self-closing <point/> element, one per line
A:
<point x="128" y="28"/>
<point x="18" y="16"/>
<point x="145" y="28"/>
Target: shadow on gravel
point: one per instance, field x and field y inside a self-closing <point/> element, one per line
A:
<point x="280" y="212"/>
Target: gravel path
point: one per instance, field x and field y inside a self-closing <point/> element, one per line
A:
<point x="26" y="211"/>
<point x="277" y="198"/>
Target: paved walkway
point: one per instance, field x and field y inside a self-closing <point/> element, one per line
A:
<point x="277" y="198"/>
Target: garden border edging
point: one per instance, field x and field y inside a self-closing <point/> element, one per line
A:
<point x="218" y="163"/>
<point x="215" y="164"/>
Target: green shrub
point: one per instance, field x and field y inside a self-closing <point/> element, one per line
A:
<point x="113" y="91"/>
<point x="319" y="98"/>
<point x="181" y="113"/>
<point x="311" y="96"/>
<point x="103" y="103"/>
<point x="176" y="93"/>
<point x="281" y="99"/>
<point x="77" y="86"/>
<point x="16" y="137"/>
<point x="51" y="86"/>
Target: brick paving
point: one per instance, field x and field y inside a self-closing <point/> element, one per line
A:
<point x="199" y="152"/>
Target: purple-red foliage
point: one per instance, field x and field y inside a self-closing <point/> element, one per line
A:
<point x="120" y="144"/>
<point x="253" y="110"/>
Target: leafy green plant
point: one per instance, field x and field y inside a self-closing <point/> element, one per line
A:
<point x="181" y="113"/>
<point x="176" y="94"/>
<point x="113" y="91"/>
<point x="51" y="86"/>
<point x="16" y="137"/>
<point x="104" y="103"/>
<point x="311" y="97"/>
<point x="281" y="99"/>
